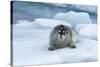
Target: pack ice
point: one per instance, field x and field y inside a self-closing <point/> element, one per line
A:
<point x="31" y="41"/>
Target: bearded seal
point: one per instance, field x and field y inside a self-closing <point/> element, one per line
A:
<point x="61" y="37"/>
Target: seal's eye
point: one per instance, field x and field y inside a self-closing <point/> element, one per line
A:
<point x="59" y="31"/>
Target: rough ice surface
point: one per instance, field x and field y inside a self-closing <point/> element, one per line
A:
<point x="50" y="22"/>
<point x="74" y="17"/>
<point x="87" y="30"/>
<point x="85" y="8"/>
<point x="29" y="11"/>
<point x="31" y="41"/>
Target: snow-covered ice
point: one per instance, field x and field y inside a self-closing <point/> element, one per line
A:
<point x="50" y="22"/>
<point x="31" y="42"/>
<point x="87" y="30"/>
<point x="74" y="17"/>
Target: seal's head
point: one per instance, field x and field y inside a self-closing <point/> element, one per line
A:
<point x="62" y="31"/>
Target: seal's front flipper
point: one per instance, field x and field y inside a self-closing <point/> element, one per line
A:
<point x="72" y="46"/>
<point x="51" y="48"/>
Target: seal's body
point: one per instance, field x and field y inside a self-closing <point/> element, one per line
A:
<point x="60" y="37"/>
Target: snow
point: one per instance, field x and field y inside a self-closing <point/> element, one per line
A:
<point x="31" y="42"/>
<point x="87" y="30"/>
<point x="50" y="22"/>
<point x="74" y="18"/>
<point x="41" y="22"/>
<point x="75" y="37"/>
<point x="23" y="23"/>
<point x="36" y="53"/>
